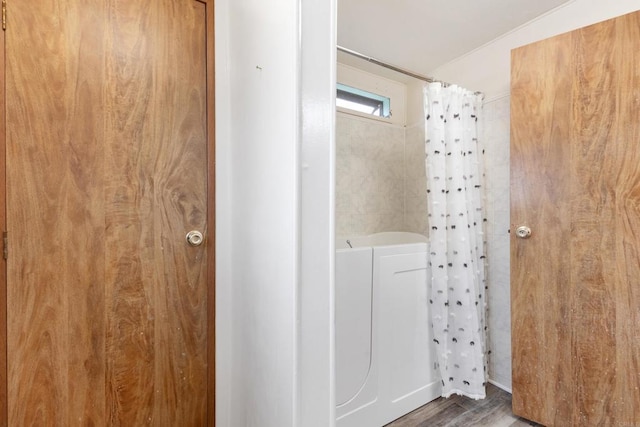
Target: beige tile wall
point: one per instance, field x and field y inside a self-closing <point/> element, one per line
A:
<point x="415" y="185"/>
<point x="496" y="138"/>
<point x="380" y="177"/>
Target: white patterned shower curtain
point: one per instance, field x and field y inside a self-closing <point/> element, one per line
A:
<point x="456" y="220"/>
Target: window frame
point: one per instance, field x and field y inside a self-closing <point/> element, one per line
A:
<point x="380" y="104"/>
<point x="377" y="85"/>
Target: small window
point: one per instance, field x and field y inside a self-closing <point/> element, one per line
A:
<point x="363" y="101"/>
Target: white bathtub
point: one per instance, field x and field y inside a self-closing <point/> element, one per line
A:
<point x="385" y="360"/>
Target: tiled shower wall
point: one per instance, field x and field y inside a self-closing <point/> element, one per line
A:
<point x="415" y="189"/>
<point x="496" y="139"/>
<point x="380" y="177"/>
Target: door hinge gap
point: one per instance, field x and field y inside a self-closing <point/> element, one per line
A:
<point x="4" y="15"/>
<point x="5" y="245"/>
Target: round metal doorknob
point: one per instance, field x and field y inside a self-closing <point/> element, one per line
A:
<point x="523" y="232"/>
<point x="195" y="238"/>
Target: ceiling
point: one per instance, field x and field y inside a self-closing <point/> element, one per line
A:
<point x="421" y="35"/>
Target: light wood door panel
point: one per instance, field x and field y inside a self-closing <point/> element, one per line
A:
<point x="107" y="147"/>
<point x="575" y="180"/>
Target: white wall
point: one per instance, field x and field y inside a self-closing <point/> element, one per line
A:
<point x="487" y="69"/>
<point x="263" y="64"/>
<point x="264" y="374"/>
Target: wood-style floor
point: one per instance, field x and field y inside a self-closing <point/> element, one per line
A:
<point x="458" y="411"/>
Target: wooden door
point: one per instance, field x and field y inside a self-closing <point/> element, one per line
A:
<point x="109" y="138"/>
<point x="575" y="181"/>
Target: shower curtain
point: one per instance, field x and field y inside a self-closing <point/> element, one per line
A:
<point x="456" y="220"/>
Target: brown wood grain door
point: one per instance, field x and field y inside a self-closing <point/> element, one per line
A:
<point x="109" y="118"/>
<point x="575" y="181"/>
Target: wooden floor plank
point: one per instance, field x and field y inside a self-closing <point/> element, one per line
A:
<point x="458" y="411"/>
<point x="435" y="414"/>
<point x="451" y="412"/>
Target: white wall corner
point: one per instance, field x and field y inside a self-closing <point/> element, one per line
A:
<point x="316" y="330"/>
<point x="224" y="240"/>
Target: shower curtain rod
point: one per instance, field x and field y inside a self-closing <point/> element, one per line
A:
<point x="388" y="66"/>
<point x="393" y="67"/>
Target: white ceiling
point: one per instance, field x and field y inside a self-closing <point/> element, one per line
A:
<point x="421" y="35"/>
